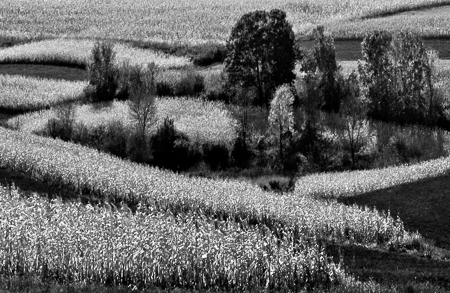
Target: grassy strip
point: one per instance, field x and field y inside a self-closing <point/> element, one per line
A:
<point x="21" y="93"/>
<point x="74" y="243"/>
<point x="76" y="53"/>
<point x="351" y="183"/>
<point x="89" y="171"/>
<point x="201" y="121"/>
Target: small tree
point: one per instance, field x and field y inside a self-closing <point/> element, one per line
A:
<point x="142" y="96"/>
<point x="281" y="118"/>
<point x="103" y="75"/>
<point x="142" y="106"/>
<point x="261" y="53"/>
<point x="321" y="62"/>
<point x="353" y="114"/>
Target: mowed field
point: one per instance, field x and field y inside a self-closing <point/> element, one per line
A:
<point x="79" y="217"/>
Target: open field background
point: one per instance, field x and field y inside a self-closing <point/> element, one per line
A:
<point x="205" y="21"/>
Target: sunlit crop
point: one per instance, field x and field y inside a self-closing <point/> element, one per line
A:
<point x="191" y="21"/>
<point x="73" y="242"/>
<point x="200" y="121"/>
<point x="77" y="52"/>
<point x="21" y="93"/>
<point x="90" y="171"/>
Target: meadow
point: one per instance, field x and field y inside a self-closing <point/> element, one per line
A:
<point x="25" y="94"/>
<point x="72" y="52"/>
<point x="197" y="21"/>
<point x="201" y="121"/>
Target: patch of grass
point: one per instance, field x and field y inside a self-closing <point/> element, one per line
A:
<point x="45" y="71"/>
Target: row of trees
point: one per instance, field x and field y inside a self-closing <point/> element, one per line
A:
<point x="394" y="81"/>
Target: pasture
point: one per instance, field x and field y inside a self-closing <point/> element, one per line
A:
<point x="75" y="218"/>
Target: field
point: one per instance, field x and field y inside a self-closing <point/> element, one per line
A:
<point x="76" y="219"/>
<point x="201" y="21"/>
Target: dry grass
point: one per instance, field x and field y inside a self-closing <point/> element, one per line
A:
<point x="191" y="22"/>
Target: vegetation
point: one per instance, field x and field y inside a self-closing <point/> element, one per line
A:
<point x="20" y="94"/>
<point x="197" y="230"/>
<point x="202" y="21"/>
<point x="261" y="54"/>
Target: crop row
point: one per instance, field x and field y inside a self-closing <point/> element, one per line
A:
<point x="76" y="52"/>
<point x="82" y="243"/>
<point x="19" y="93"/>
<point x="200" y="121"/>
<point x="189" y="22"/>
<point x="89" y="171"/>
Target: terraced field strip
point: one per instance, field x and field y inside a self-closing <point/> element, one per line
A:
<point x="202" y="21"/>
<point x="76" y="52"/>
<point x="201" y="121"/>
<point x="90" y="172"/>
<point x="19" y="93"/>
<point x="72" y="242"/>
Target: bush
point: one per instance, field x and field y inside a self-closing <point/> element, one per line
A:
<point x="216" y="156"/>
<point x="185" y="154"/>
<point x="58" y="129"/>
<point x="103" y="75"/>
<point x="116" y="140"/>
<point x="191" y="84"/>
<point x="163" y="88"/>
<point x="172" y="149"/>
<point x="241" y="153"/>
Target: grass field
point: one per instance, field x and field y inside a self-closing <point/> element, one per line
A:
<point x="76" y="53"/>
<point x="199" y="21"/>
<point x="200" y="121"/>
<point x="19" y="93"/>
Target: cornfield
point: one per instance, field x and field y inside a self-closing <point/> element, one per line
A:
<point x="91" y="172"/>
<point x="72" y="242"/>
<point x="193" y="21"/>
<point x="19" y="93"/>
<point x="200" y="121"/>
<point x="77" y="53"/>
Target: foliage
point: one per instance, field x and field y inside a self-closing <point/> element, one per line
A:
<point x="398" y="74"/>
<point x="321" y="62"/>
<point x="353" y="114"/>
<point x="142" y="97"/>
<point x="103" y="75"/>
<point x="281" y="119"/>
<point x="216" y="156"/>
<point x="261" y="53"/>
<point x="88" y="171"/>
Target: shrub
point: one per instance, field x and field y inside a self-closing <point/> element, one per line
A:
<point x="116" y="139"/>
<point x="216" y="156"/>
<point x="164" y="88"/>
<point x="185" y="154"/>
<point x="62" y="126"/>
<point x="103" y="75"/>
<point x="261" y="54"/>
<point x="241" y="153"/>
<point x="191" y="84"/>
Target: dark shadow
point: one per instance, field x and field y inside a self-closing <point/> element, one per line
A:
<point x="391" y="267"/>
<point x="45" y="71"/>
<point x="423" y="206"/>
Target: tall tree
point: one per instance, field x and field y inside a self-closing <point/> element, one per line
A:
<point x="261" y="54"/>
